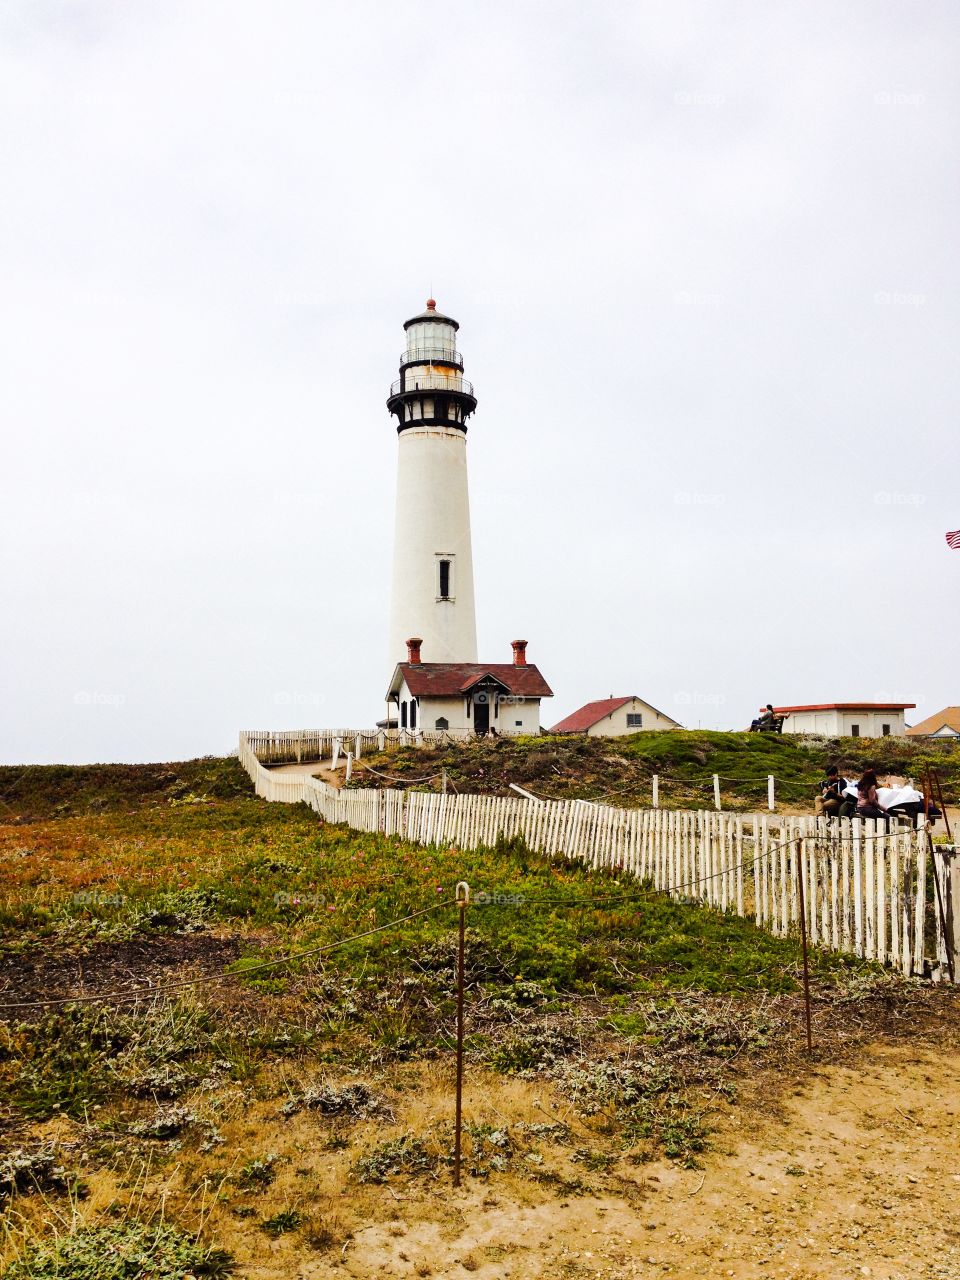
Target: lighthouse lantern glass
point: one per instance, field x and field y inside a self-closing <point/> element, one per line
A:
<point x="437" y="338"/>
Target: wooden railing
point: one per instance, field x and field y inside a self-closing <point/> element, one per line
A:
<point x="297" y="745"/>
<point x="866" y="888"/>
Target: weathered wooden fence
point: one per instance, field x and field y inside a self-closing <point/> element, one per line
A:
<point x="295" y="745"/>
<point x="867" y="890"/>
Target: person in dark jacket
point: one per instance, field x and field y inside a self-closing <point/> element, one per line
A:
<point x="829" y="797"/>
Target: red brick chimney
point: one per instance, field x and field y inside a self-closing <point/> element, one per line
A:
<point x="413" y="650"/>
<point x="519" y="653"/>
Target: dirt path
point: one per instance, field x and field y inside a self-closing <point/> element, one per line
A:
<point x="858" y="1175"/>
<point x="314" y="769"/>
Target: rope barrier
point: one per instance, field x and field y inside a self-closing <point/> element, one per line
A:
<point x="203" y="979"/>
<point x="365" y="768"/>
<point x="624" y="898"/>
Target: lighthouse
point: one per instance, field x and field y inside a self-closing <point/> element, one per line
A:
<point x="438" y="688"/>
<point x="432" y="557"/>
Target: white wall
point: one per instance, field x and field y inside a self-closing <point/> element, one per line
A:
<point x="453" y="710"/>
<point x="841" y="723"/>
<point x="526" y="711"/>
<point x="432" y="520"/>
<point x="615" y="724"/>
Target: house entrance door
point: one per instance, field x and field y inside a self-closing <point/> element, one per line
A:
<point x="481" y="714"/>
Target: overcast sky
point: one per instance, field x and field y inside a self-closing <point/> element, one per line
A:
<point x="704" y="258"/>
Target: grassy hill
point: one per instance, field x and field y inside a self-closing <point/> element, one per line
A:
<point x="620" y="769"/>
<point x="269" y="1114"/>
<point x="29" y="792"/>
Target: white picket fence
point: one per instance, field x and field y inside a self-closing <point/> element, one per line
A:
<point x="295" y="745"/>
<point x="865" y="888"/>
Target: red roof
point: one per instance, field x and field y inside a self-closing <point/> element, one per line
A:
<point x="451" y="679"/>
<point x="847" y="706"/>
<point x="589" y="715"/>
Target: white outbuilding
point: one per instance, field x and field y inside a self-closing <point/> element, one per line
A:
<point x="847" y="719"/>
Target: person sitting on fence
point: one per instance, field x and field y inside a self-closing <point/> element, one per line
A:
<point x="868" y="802"/>
<point x="829" y="799"/>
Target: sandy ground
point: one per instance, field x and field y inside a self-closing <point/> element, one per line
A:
<point x="334" y="777"/>
<point x="856" y="1173"/>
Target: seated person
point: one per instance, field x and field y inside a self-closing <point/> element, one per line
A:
<point x="765" y="720"/>
<point x="868" y="802"/>
<point x="829" y="799"/>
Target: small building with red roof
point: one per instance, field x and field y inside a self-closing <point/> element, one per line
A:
<point x="467" y="697"/>
<point x="613" y="717"/>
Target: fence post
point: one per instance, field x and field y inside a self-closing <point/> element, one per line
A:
<point x="771" y="800"/>
<point x="349" y="765"/>
<point x="946" y="902"/>
<point x="951" y="860"/>
<point x="716" y="790"/>
<point x="656" y="791"/>
<point x="800" y="872"/>
<point x="463" y="897"/>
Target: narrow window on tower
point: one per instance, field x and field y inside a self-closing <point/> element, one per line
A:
<point x="445" y="579"/>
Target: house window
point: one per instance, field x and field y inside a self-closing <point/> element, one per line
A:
<point x="885" y="730"/>
<point x="445" y="579"/>
<point x="413" y="713"/>
<point x="442" y="723"/>
<point x="403" y="715"/>
<point x="518" y="723"/>
<point x="854" y="731"/>
<point x="634" y="720"/>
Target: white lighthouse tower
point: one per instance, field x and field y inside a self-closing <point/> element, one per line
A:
<point x="432" y="558"/>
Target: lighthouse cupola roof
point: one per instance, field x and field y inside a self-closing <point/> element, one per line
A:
<point x="431" y="316"/>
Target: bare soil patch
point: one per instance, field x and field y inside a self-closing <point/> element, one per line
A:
<point x="858" y="1174"/>
<point x="132" y="965"/>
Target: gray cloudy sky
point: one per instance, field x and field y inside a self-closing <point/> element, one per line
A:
<point x="704" y="257"/>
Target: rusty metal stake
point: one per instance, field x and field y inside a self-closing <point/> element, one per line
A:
<point x="463" y="897"/>
<point x="803" y="939"/>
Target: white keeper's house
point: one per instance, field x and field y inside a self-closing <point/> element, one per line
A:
<point x="847" y="719"/>
<point x="437" y="682"/>
<point x="463" y="696"/>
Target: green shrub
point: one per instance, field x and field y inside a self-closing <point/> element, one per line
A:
<point x="123" y="1251"/>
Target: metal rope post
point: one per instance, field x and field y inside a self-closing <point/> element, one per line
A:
<point x="463" y="897"/>
<point x="803" y="938"/>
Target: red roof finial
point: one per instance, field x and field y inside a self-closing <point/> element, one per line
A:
<point x="431" y="304"/>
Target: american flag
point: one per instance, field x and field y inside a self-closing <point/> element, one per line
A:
<point x="953" y="539"/>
